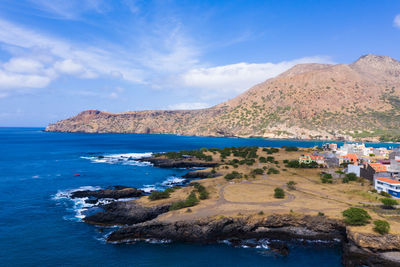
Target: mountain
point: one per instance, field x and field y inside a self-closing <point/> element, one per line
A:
<point x="358" y="100"/>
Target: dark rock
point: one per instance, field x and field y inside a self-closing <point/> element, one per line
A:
<point x="354" y="256"/>
<point x="213" y="230"/>
<point x="200" y="174"/>
<point x="116" y="193"/>
<point x="125" y="213"/>
<point x="279" y="247"/>
<point x="177" y="163"/>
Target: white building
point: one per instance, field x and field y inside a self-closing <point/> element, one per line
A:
<point x="358" y="149"/>
<point x="388" y="185"/>
<point x="351" y="168"/>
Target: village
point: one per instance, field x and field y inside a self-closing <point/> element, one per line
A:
<point x="380" y="166"/>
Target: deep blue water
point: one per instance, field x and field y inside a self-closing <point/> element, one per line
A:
<point x="38" y="230"/>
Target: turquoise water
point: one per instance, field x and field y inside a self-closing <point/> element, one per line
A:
<point x="40" y="228"/>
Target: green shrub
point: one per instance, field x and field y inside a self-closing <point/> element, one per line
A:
<point x="381" y="227"/>
<point x="321" y="214"/>
<point x="260" y="212"/>
<point x="285" y="161"/>
<point x="258" y="171"/>
<point x="385" y="194"/>
<point x="203" y="194"/>
<point x="291" y="148"/>
<point x="262" y="159"/>
<point x="389" y="202"/>
<point x="293" y="164"/>
<point x="326" y="178"/>
<point x="356" y="216"/>
<point x="190" y="201"/>
<point x="233" y="175"/>
<point x="155" y="195"/>
<point x="351" y="176"/>
<point x="279" y="193"/>
<point x="272" y="171"/>
<point x="271" y="150"/>
<point x="291" y="185"/>
<point x="270" y="159"/>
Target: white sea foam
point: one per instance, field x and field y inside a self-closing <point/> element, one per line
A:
<point x="125" y="159"/>
<point x="79" y="204"/>
<point x="169" y="182"/>
<point x="149" y="187"/>
<point x="173" y="180"/>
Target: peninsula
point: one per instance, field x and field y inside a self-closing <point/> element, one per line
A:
<point x="358" y="101"/>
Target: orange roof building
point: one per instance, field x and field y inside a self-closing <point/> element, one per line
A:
<point x="378" y="167"/>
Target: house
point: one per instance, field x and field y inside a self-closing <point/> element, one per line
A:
<point x="308" y="158"/>
<point x="388" y="185"/>
<point x="378" y="167"/>
<point x="370" y="169"/>
<point x="349" y="158"/>
<point x="329" y="146"/>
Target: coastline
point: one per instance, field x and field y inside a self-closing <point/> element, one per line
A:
<point x="238" y="137"/>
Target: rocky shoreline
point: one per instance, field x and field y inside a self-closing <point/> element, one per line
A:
<point x="141" y="223"/>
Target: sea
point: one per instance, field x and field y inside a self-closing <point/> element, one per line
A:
<point x="41" y="226"/>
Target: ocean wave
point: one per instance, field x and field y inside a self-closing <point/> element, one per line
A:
<point x="124" y="159"/>
<point x="169" y="182"/>
<point x="79" y="206"/>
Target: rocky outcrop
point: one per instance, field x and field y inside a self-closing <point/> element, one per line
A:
<point x="116" y="192"/>
<point x="363" y="249"/>
<point x="125" y="213"/>
<point x="375" y="241"/>
<point x="282" y="227"/>
<point x="177" y="163"/>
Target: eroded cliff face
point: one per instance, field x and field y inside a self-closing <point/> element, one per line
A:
<point x="215" y="229"/>
<point x="375" y="241"/>
<point x="307" y="101"/>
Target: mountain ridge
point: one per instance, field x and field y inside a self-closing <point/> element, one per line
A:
<point x="308" y="101"/>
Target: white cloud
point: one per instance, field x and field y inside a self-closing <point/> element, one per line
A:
<point x="68" y="66"/>
<point x="229" y="80"/>
<point x="23" y="65"/>
<point x="396" y="21"/>
<point x="14" y="80"/>
<point x="187" y="106"/>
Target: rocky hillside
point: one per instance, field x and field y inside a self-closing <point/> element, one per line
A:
<point x="360" y="100"/>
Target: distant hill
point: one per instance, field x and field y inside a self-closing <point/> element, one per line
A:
<point x="309" y="101"/>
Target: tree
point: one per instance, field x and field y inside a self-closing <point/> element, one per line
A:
<point x="389" y="202"/>
<point x="279" y="193"/>
<point x="381" y="227"/>
<point x="291" y="185"/>
<point x="356" y="216"/>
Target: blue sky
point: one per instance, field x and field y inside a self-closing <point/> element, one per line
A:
<point x="58" y="57"/>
